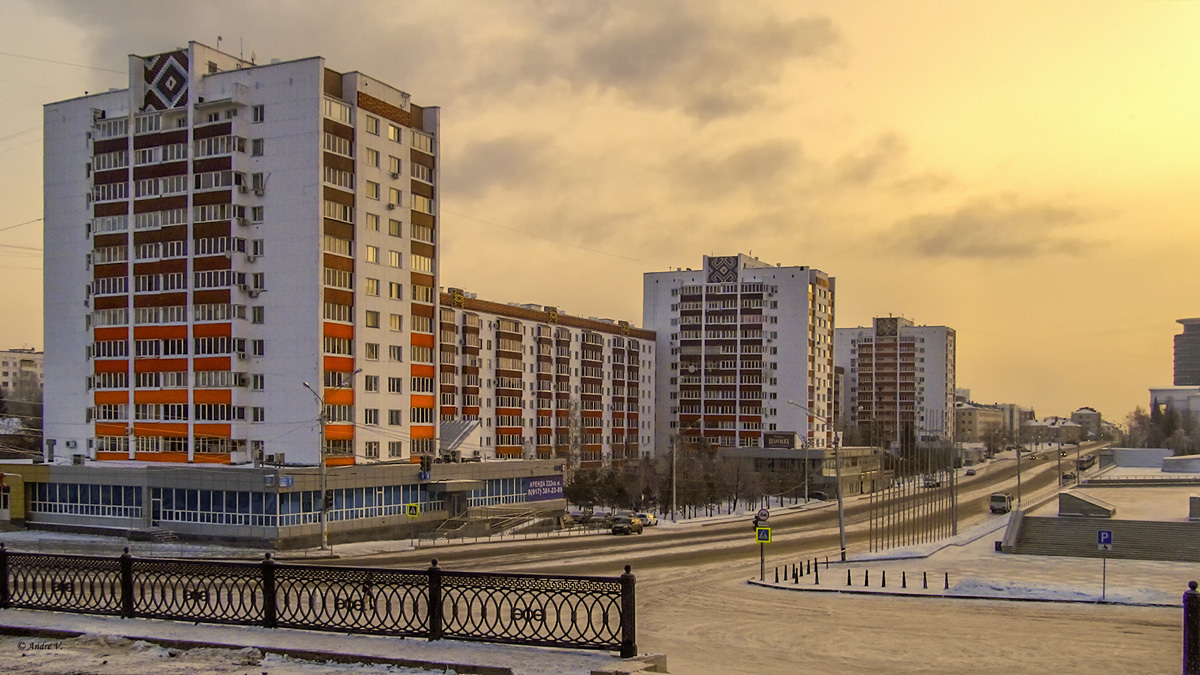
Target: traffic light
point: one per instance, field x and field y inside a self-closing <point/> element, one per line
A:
<point x="327" y="501"/>
<point x="426" y="463"/>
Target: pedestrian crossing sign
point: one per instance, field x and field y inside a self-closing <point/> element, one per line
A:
<point x="762" y="535"/>
<point x="412" y="510"/>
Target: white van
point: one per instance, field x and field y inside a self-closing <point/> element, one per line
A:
<point x="1001" y="502"/>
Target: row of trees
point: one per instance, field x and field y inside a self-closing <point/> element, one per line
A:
<point x="23" y="439"/>
<point x="703" y="483"/>
<point x="1166" y="428"/>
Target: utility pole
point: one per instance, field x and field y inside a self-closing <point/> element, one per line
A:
<point x="837" y="464"/>
<point x="323" y="470"/>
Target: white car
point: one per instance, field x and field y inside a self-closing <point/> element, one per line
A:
<point x="648" y="519"/>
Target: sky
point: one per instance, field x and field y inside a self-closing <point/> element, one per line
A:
<point x="1023" y="172"/>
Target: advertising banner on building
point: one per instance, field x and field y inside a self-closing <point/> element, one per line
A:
<point x="780" y="440"/>
<point x="545" y="488"/>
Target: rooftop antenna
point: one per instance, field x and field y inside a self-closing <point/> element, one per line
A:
<point x="218" y="43"/>
<point x="241" y="51"/>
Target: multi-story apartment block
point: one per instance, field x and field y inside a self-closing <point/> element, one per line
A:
<point x="21" y="373"/>
<point x="542" y="384"/>
<point x="1187" y="354"/>
<point x="901" y="380"/>
<point x="744" y="348"/>
<point x="975" y="423"/>
<point x="228" y="243"/>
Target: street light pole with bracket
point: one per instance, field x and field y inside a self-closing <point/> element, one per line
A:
<point x="323" y="470"/>
<point x="837" y="462"/>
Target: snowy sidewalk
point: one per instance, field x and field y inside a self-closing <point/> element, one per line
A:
<point x="321" y="647"/>
<point x="972" y="568"/>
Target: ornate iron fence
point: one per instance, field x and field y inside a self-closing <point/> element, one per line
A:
<point x="549" y="610"/>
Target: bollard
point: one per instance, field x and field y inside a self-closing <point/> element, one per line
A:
<point x="826" y="562"/>
<point x="810" y="565"/>
<point x="866" y="577"/>
<point x="924" y="579"/>
<point x="947" y="581"/>
<point x="795" y="577"/>
<point x="776" y="574"/>
<point x="801" y="568"/>
<point x="1191" y="630"/>
<point x="847" y="577"/>
<point x="884" y="583"/>
<point x="903" y="579"/>
<point x="817" y="576"/>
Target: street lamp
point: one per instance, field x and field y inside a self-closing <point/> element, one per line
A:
<point x="837" y="462"/>
<point x="322" y="419"/>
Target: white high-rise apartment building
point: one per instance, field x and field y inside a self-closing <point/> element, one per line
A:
<point x="900" y="380"/>
<point x="220" y="237"/>
<point x="738" y="340"/>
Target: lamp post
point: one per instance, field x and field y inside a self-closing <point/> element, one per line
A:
<point x="837" y="463"/>
<point x="322" y="419"/>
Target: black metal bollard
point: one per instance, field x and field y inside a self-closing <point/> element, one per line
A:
<point x="801" y="568"/>
<point x="776" y="574"/>
<point x="947" y="581"/>
<point x="866" y="578"/>
<point x="903" y="579"/>
<point x="1191" y="630"/>
<point x="924" y="579"/>
<point x="847" y="577"/>
<point x="826" y="562"/>
<point x="795" y="577"/>
<point x="884" y="584"/>
<point x="817" y="576"/>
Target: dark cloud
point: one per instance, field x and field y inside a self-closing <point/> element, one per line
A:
<point x="760" y="166"/>
<point x="867" y="165"/>
<point x="518" y="163"/>
<point x="672" y="55"/>
<point x="994" y="228"/>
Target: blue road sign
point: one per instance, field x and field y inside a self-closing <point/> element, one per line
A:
<point x="762" y="535"/>
<point x="1104" y="540"/>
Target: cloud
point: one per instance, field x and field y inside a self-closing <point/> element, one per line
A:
<point x="758" y="166"/>
<point x="869" y="164"/>
<point x="519" y="162"/>
<point x="994" y="228"/>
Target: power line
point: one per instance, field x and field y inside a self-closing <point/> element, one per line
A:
<point x="62" y="63"/>
<point x="28" y="222"/>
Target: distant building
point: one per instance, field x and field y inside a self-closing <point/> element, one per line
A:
<point x="901" y="379"/>
<point x="1179" y="399"/>
<point x="974" y="423"/>
<point x="1089" y="420"/>
<point x="1187" y="354"/>
<point x="1012" y="416"/>
<point x="537" y="383"/>
<point x="1051" y="430"/>
<point x="21" y="374"/>
<point x="738" y="340"/>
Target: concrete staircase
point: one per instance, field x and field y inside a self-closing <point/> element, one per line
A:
<point x="1132" y="539"/>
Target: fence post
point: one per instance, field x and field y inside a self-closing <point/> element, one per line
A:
<point x="435" y="601"/>
<point x="628" y="614"/>
<point x="1191" y="630"/>
<point x="3" y="577"/>
<point x="270" y="618"/>
<point x="126" y="584"/>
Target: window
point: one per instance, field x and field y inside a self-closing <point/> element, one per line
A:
<point x="422" y="142"/>
<point x="395" y="290"/>
<point x="372" y="319"/>
<point x="422" y="172"/>
<point x="396" y="418"/>
<point x="422" y="324"/>
<point x="372" y="351"/>
<point x="371" y="416"/>
<point x="256" y="214"/>
<point x="256" y="147"/>
<point x="421" y="354"/>
<point x="258" y="382"/>
<point x="338" y="245"/>
<point x="258" y="414"/>
<point x="396" y="321"/>
<point x="422" y="204"/>
<point x="421" y="232"/>
<point x="394" y="133"/>
<point x="372" y="125"/>
<point x="395" y="228"/>
<point x="372" y="254"/>
<point x="371" y="449"/>
<point x="395" y="353"/>
<point x="371" y="383"/>
<point x="421" y="415"/>
<point x="394" y="165"/>
<point x="395" y="196"/>
<point x="258" y="347"/>
<point x="257" y="314"/>
<point x="420" y="263"/>
<point x="372" y="190"/>
<point x="395" y="385"/>
<point x="371" y="287"/>
<point x="258" y="114"/>
<point x="372" y="157"/>
<point x="394" y="449"/>
<point x="372" y="222"/>
<point x="422" y="293"/>
<point x="394" y="258"/>
<point x="336" y="312"/>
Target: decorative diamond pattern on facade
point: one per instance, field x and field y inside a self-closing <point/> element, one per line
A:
<point x="166" y="81"/>
<point x="722" y="270"/>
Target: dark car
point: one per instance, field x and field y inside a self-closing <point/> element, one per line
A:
<point x="969" y="472"/>
<point x="1068" y="477"/>
<point x="626" y="525"/>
